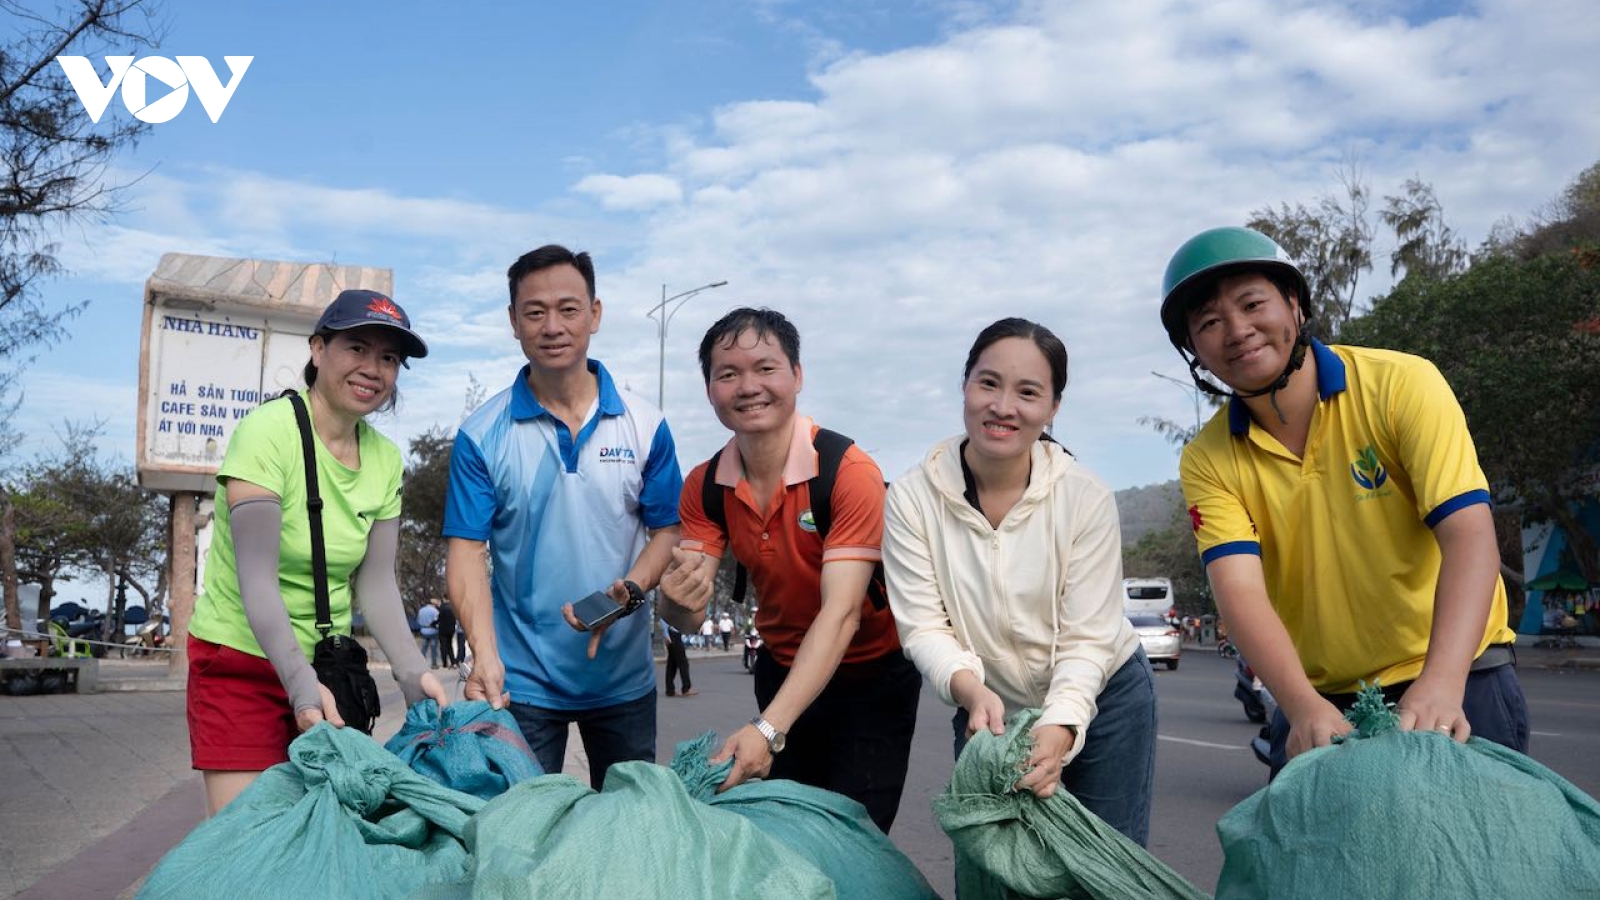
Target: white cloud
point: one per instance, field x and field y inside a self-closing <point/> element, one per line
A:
<point x="637" y="192"/>
<point x="1043" y="162"/>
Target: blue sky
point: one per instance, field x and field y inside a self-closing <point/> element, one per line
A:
<point x="893" y="176"/>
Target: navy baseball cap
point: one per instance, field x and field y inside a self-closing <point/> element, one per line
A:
<point x="358" y="309"/>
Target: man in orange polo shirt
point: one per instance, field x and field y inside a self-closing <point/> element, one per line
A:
<point x="837" y="698"/>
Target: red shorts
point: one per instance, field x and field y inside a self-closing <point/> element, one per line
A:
<point x="239" y="715"/>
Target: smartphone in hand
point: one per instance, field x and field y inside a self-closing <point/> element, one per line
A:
<point x="597" y="609"/>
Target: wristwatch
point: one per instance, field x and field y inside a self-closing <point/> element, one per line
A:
<point x="635" y="597"/>
<point x="775" y="738"/>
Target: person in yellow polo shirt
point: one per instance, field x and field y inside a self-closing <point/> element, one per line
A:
<point x="1339" y="509"/>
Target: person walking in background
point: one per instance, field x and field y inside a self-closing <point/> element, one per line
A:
<point x="708" y="633"/>
<point x="447" y="635"/>
<point x="428" y="627"/>
<point x="570" y="483"/>
<point x="1004" y="563"/>
<point x="677" y="660"/>
<point x="725" y="628"/>
<point x="251" y="687"/>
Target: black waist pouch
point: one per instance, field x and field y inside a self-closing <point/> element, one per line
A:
<point x="341" y="665"/>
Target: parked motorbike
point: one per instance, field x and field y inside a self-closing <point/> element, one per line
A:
<point x="1249" y="691"/>
<point x="752" y="643"/>
<point x="150" y="637"/>
<point x="1259" y="706"/>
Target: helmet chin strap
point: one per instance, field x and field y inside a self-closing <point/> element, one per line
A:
<point x="1297" y="358"/>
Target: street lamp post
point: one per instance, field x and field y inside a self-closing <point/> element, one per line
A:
<point x="663" y="316"/>
<point x="1193" y="391"/>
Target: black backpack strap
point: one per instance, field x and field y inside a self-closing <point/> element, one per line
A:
<point x="712" y="496"/>
<point x="319" y="551"/>
<point x="831" y="447"/>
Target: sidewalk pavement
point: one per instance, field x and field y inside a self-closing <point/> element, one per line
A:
<point x="95" y="788"/>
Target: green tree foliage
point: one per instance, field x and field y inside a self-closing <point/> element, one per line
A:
<point x="80" y="516"/>
<point x="1169" y="552"/>
<point x="1519" y="341"/>
<point x="422" y="549"/>
<point x="1332" y="243"/>
<point x="1425" y="245"/>
<point x="53" y="162"/>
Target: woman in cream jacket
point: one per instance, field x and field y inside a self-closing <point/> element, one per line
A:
<point x="1004" y="565"/>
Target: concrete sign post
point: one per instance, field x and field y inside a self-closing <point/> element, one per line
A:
<point x="220" y="337"/>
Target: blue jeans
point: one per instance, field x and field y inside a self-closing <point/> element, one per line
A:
<point x="611" y="734"/>
<point x="1114" y="776"/>
<point x="1493" y="702"/>
<point x="430" y="648"/>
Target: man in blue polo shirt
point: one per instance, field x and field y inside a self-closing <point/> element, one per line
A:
<point x="569" y="485"/>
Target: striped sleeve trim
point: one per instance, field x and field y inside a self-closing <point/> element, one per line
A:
<point x="863" y="554"/>
<point x="1458" y="502"/>
<point x="1232" y="548"/>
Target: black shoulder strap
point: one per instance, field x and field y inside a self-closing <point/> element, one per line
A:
<point x="831" y="447"/>
<point x="711" y="500"/>
<point x="319" y="552"/>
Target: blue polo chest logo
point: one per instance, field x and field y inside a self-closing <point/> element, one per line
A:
<point x="616" y="454"/>
<point x="1368" y="470"/>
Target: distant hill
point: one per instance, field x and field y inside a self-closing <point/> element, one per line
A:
<point x="1144" y="509"/>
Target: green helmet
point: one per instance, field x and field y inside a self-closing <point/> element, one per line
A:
<point x="1211" y="254"/>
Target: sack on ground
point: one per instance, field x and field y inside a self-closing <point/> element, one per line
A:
<point x="341" y="665"/>
<point x="1402" y="814"/>
<point x="343" y="818"/>
<point x="642" y="836"/>
<point x="468" y="746"/>
<point x="1011" y="844"/>
<point x="829" y="830"/>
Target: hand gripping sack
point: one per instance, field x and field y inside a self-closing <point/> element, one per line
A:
<point x="1405" y="814"/>
<point x="468" y="746"/>
<point x="342" y="818"/>
<point x="1011" y="844"/>
<point x="831" y="831"/>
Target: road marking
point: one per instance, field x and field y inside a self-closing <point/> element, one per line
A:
<point x="1545" y="733"/>
<point x="1195" y="743"/>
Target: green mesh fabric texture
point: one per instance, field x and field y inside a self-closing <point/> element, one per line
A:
<point x="1011" y="845"/>
<point x="342" y="818"/>
<point x="829" y="830"/>
<point x="1408" y="814"/>
<point x="640" y="836"/>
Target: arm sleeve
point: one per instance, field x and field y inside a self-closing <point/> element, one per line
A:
<point x="256" y="526"/>
<point x="1221" y="524"/>
<point x="698" y="532"/>
<point x="469" y="499"/>
<point x="663" y="481"/>
<point x="858" y="496"/>
<point x="916" y="596"/>
<point x="1089" y="620"/>
<point x="1432" y="443"/>
<point x="379" y="596"/>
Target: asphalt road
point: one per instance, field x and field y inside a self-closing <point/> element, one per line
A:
<point x="1203" y="764"/>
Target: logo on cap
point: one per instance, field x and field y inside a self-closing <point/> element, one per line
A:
<point x="383" y="306"/>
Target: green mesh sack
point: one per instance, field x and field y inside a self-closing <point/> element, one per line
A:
<point x="1407" y="814"/>
<point x="829" y="830"/>
<point x="641" y="836"/>
<point x="1011" y="844"/>
<point x="342" y="818"/>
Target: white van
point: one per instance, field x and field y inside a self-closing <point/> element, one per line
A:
<point x="1147" y="596"/>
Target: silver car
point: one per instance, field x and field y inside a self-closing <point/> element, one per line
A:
<point x="1162" y="640"/>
